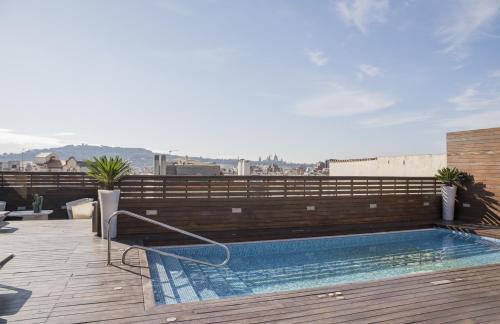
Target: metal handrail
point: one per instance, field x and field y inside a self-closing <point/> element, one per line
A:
<point x="175" y="229"/>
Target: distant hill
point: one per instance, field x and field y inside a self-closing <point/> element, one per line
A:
<point x="138" y="157"/>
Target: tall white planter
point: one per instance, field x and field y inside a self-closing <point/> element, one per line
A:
<point x="108" y="202"/>
<point x="448" y="195"/>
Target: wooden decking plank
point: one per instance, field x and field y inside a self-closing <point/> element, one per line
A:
<point x="471" y="314"/>
<point x="392" y="311"/>
<point x="347" y="308"/>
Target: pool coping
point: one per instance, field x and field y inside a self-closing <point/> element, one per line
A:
<point x="147" y="284"/>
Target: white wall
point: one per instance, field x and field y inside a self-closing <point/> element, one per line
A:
<point x="402" y="166"/>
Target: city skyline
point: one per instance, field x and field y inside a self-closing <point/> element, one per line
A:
<point x="309" y="81"/>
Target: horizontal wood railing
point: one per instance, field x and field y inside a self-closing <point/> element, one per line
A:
<point x="148" y="187"/>
<point x="223" y="187"/>
<point x="46" y="180"/>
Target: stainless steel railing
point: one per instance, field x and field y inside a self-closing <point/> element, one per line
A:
<point x="172" y="228"/>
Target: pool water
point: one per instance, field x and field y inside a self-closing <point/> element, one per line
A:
<point x="273" y="266"/>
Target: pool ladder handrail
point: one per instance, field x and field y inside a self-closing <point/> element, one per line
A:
<point x="172" y="228"/>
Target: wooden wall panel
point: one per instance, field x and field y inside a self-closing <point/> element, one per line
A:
<point x="477" y="152"/>
<point x="280" y="218"/>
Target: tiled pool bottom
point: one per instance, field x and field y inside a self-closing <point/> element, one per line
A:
<point x="274" y="266"/>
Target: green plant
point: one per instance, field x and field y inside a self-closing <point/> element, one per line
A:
<point x="37" y="203"/>
<point x="449" y="176"/>
<point x="108" y="171"/>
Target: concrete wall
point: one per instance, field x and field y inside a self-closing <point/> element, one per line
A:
<point x="243" y="168"/>
<point x="198" y="170"/>
<point x="401" y="166"/>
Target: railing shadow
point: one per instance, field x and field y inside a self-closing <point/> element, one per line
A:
<point x="5" y="228"/>
<point x="12" y="302"/>
<point x="484" y="206"/>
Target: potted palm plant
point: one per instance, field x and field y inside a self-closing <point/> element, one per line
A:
<point x="450" y="177"/>
<point x="108" y="171"/>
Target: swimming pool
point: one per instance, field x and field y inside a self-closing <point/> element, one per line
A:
<point x="273" y="266"/>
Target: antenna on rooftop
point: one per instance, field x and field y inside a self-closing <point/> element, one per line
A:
<point x="170" y="152"/>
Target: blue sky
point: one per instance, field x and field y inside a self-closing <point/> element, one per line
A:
<point x="308" y="80"/>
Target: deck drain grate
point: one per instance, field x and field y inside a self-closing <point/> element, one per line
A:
<point x="337" y="295"/>
<point x="441" y="282"/>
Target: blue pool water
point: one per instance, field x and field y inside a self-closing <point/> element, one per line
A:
<point x="272" y="266"/>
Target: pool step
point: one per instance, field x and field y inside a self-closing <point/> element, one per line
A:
<point x="179" y="282"/>
<point x="162" y="288"/>
<point x="215" y="282"/>
<point x="171" y="285"/>
<point x="188" y="282"/>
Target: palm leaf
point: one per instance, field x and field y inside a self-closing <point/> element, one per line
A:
<point x="108" y="171"/>
<point x="449" y="176"/>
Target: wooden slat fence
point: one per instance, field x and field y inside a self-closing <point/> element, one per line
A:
<point x="46" y="180"/>
<point x="18" y="189"/>
<point x="153" y="187"/>
<point x="175" y="187"/>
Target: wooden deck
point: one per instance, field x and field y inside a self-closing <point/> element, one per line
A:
<point x="58" y="275"/>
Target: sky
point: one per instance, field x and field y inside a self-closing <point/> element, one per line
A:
<point x="307" y="80"/>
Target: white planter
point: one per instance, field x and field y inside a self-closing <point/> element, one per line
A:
<point x="448" y="195"/>
<point x="108" y="202"/>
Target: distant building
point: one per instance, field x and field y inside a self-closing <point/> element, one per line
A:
<point x="391" y="166"/>
<point x="198" y="169"/>
<point x="228" y="169"/>
<point x="274" y="169"/>
<point x="45" y="162"/>
<point x="72" y="165"/>
<point x="45" y="157"/>
<point x="184" y="167"/>
<point x="10" y="166"/>
<point x="157" y="164"/>
<point x="50" y="162"/>
<point x="243" y="167"/>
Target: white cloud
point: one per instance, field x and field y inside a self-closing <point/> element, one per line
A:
<point x="495" y="74"/>
<point x="476" y="98"/>
<point x="466" y="23"/>
<point x="393" y="120"/>
<point x="477" y="106"/>
<point x="362" y="13"/>
<point x="14" y="140"/>
<point x="317" y="57"/>
<point x="366" y="70"/>
<point x="485" y="119"/>
<point x="344" y="102"/>
<point x="63" y="134"/>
